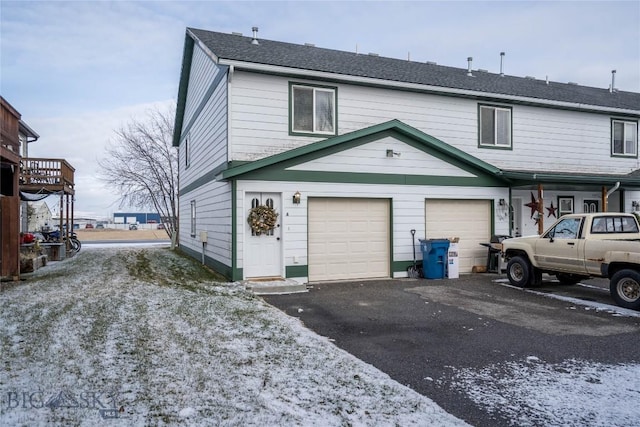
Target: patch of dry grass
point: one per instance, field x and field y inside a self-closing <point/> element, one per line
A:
<point x="112" y="234"/>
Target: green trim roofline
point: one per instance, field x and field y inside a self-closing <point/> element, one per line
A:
<point x="393" y="125"/>
<point x="183" y="87"/>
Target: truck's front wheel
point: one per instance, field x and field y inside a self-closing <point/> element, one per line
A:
<point x="625" y="288"/>
<point x="519" y="271"/>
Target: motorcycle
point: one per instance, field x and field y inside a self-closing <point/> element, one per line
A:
<point x="54" y="237"/>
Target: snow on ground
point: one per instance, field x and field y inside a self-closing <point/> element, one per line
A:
<point x="573" y="393"/>
<point x="143" y="336"/>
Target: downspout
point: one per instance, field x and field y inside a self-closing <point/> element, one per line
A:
<point x="605" y="204"/>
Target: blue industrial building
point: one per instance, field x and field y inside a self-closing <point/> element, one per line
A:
<point x="136" y="218"/>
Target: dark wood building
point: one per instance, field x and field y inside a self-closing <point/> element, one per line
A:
<point x="21" y="176"/>
<point x="9" y="193"/>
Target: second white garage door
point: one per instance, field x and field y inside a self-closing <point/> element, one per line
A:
<point x="348" y="238"/>
<point x="470" y="220"/>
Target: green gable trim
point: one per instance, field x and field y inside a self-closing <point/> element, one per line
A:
<point x="394" y="128"/>
<point x="297" y="271"/>
<point x="183" y="88"/>
<point x="236" y="163"/>
<point x="371" y="178"/>
<point x="222" y="73"/>
<point x="203" y="180"/>
<point x="215" y="265"/>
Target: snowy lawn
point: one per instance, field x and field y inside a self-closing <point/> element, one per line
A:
<point x="144" y="336"/>
<point x="573" y="393"/>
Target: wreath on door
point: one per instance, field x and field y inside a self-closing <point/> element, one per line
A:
<point x="262" y="219"/>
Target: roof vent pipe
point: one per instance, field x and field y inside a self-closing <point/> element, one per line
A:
<point x="613" y="81"/>
<point x="501" y="64"/>
<point x="469" y="60"/>
<point x="255" y="35"/>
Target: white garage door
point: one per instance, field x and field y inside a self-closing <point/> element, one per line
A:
<point x="470" y="220"/>
<point x="348" y="238"/>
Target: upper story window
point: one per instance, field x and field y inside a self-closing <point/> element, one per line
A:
<point x="624" y="138"/>
<point x="313" y="109"/>
<point x="495" y="126"/>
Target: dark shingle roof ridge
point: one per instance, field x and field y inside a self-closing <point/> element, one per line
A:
<point x="292" y="55"/>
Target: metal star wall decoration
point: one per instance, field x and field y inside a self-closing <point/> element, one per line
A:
<point x="533" y="205"/>
<point x="552" y="211"/>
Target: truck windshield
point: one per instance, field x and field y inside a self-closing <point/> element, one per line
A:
<point x="568" y="228"/>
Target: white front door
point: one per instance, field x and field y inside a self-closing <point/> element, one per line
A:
<point x="263" y="254"/>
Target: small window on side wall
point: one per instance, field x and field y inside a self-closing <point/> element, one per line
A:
<point x="313" y="110"/>
<point x="187" y="152"/>
<point x="495" y="126"/>
<point x="193" y="218"/>
<point x="624" y="138"/>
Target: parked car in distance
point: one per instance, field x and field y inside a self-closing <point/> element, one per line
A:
<point x="88" y="226"/>
<point x="100" y="226"/>
<point x="133" y="227"/>
<point x="160" y="226"/>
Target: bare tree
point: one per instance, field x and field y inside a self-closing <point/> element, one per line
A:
<point x="142" y="165"/>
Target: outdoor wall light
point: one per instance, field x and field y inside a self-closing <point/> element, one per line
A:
<point x="391" y="153"/>
<point x="502" y="202"/>
<point x="296" y="198"/>
<point x="635" y="204"/>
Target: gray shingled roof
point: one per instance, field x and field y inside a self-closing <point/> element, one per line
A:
<point x="239" y="48"/>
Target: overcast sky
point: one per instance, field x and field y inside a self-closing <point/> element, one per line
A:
<point x="78" y="70"/>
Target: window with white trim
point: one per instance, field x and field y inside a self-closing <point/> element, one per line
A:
<point x="565" y="205"/>
<point x="495" y="126"/>
<point x="313" y="110"/>
<point x="193" y="218"/>
<point x="624" y="138"/>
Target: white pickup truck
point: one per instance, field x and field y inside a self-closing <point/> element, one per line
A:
<point x="579" y="246"/>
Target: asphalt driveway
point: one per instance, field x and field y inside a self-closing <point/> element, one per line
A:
<point x="421" y="332"/>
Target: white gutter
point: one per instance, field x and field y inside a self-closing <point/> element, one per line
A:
<point x="275" y="69"/>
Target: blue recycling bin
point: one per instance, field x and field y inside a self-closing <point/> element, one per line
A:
<point x="434" y="258"/>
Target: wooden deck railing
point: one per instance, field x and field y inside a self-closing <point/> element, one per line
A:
<point x="46" y="174"/>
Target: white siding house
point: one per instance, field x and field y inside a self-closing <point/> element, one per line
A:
<point x="352" y="152"/>
<point x="38" y="216"/>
